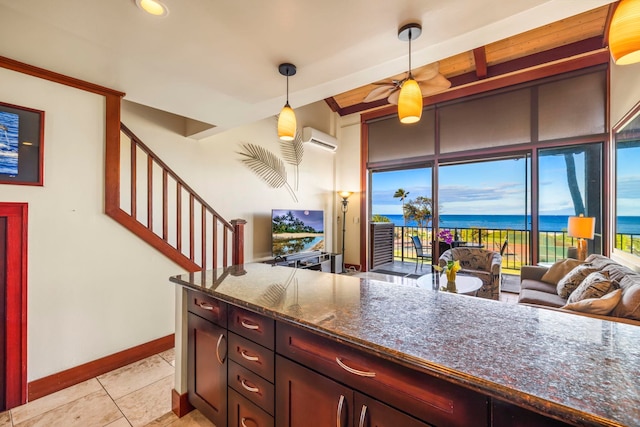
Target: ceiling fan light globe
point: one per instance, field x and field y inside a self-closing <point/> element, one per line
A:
<point x="410" y="102"/>
<point x="624" y="37"/>
<point x="287" y="124"/>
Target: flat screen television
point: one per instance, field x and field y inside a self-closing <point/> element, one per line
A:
<point x="296" y="231"/>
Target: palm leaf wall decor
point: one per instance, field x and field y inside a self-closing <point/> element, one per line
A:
<point x="267" y="166"/>
<point x="292" y="151"/>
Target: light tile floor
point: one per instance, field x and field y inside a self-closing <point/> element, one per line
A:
<point x="135" y="395"/>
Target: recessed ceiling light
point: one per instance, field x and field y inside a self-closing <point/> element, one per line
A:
<point x="153" y="7"/>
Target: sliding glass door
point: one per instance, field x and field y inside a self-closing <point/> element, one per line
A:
<point x="485" y="204"/>
<point x="404" y="197"/>
<point x="569" y="184"/>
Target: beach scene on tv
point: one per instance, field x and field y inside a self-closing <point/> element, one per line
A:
<point x="295" y="231"/>
<point x="8" y="143"/>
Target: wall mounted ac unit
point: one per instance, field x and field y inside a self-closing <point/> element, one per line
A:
<point x="319" y="139"/>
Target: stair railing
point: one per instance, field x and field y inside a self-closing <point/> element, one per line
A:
<point x="153" y="202"/>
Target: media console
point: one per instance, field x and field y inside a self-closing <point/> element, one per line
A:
<point x="312" y="260"/>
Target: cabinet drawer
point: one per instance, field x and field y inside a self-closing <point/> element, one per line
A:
<point x="252" y="356"/>
<point x="252" y="326"/>
<point x="252" y="386"/>
<point x="207" y="307"/>
<point x="424" y="396"/>
<point x="243" y="413"/>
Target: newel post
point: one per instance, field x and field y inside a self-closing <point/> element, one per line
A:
<point x="237" y="249"/>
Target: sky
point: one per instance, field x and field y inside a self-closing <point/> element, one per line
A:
<point x="498" y="187"/>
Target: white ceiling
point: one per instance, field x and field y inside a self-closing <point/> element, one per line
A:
<point x="216" y="61"/>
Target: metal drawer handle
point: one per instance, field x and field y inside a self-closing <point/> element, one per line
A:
<point x="363" y="416"/>
<point x="243" y="421"/>
<point x="248" y="387"/>
<point x="244" y="354"/>
<point x="354" y="371"/>
<point x="249" y="325"/>
<point x="220" y="359"/>
<point x="205" y="305"/>
<point x="339" y="411"/>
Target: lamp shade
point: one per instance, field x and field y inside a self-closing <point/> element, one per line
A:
<point x="624" y="34"/>
<point x="581" y="227"/>
<point x="345" y="194"/>
<point x="287" y="123"/>
<point x="410" y="102"/>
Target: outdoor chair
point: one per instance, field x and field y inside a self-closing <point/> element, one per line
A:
<point x="481" y="263"/>
<point x="420" y="255"/>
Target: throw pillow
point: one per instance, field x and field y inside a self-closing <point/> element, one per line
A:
<point x="572" y="280"/>
<point x="629" y="305"/>
<point x="595" y="285"/>
<point x="559" y="269"/>
<point x="602" y="306"/>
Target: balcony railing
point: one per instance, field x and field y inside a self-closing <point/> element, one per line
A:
<point x="553" y="244"/>
<point x="629" y="243"/>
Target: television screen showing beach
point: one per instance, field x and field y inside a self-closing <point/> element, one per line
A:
<point x="8" y="143"/>
<point x="295" y="231"/>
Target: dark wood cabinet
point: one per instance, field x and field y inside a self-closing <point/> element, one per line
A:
<point x="372" y="413"/>
<point x="308" y="399"/>
<point x="207" y="368"/>
<point x="508" y="415"/>
<point x="248" y="370"/>
<point x="243" y="413"/>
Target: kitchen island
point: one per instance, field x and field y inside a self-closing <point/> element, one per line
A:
<point x="432" y="357"/>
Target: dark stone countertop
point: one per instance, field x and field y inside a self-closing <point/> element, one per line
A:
<point x="580" y="369"/>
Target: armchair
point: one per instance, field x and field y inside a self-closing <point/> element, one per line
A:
<point x="481" y="263"/>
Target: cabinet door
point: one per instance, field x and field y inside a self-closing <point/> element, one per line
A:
<point x="507" y="415"/>
<point x="207" y="368"/>
<point x="307" y="399"/>
<point x="372" y="413"/>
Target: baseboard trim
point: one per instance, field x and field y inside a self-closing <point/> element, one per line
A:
<point x="180" y="404"/>
<point x="56" y="382"/>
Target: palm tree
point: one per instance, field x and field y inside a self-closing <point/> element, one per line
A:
<point x="400" y="193"/>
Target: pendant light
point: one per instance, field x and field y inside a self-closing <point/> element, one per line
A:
<point x="287" y="118"/>
<point x="410" y="98"/>
<point x="624" y="36"/>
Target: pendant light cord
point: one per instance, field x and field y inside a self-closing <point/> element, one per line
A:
<point x="287" y="88"/>
<point x="410" y="37"/>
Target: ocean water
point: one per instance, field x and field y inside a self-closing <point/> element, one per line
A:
<point x="9" y="123"/>
<point x="626" y="224"/>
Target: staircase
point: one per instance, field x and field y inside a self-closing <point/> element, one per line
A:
<point x="144" y="195"/>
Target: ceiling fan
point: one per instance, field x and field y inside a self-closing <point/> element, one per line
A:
<point x="428" y="77"/>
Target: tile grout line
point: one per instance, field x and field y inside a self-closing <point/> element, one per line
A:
<point x="114" y="402"/>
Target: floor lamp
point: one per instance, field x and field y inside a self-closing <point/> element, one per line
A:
<point x="583" y="228"/>
<point x="345" y="207"/>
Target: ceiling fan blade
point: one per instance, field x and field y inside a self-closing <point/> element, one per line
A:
<point x="393" y="98"/>
<point x="427" y="72"/>
<point x="379" y="93"/>
<point x="437" y="84"/>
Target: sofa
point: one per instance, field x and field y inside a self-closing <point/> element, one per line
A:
<point x="604" y="288"/>
<point x="481" y="263"/>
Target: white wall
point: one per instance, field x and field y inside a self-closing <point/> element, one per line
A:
<point x="212" y="167"/>
<point x="93" y="288"/>
<point x="625" y="94"/>
<point x="348" y="179"/>
<point x="625" y="90"/>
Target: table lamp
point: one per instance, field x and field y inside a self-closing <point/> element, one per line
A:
<point x="583" y="228"/>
